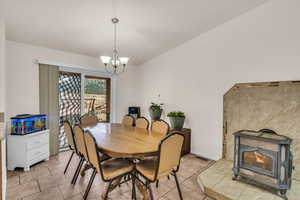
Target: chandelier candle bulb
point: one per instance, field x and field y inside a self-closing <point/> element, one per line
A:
<point x="105" y="59"/>
<point x="124" y="60"/>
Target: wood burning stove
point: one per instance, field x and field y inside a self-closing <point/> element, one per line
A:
<point x="263" y="158"/>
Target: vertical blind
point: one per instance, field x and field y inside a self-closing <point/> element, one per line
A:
<point x="48" y="90"/>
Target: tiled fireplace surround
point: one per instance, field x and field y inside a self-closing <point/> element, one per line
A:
<point x="254" y="106"/>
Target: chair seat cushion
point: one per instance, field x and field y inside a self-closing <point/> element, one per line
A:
<point x="115" y="167"/>
<point x="147" y="168"/>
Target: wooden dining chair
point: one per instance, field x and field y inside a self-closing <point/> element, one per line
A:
<point x="81" y="148"/>
<point x="88" y="119"/>
<point x="142" y="122"/>
<point x="160" y="126"/>
<point x="71" y="142"/>
<point x="110" y="170"/>
<point x="167" y="162"/>
<point x="128" y="120"/>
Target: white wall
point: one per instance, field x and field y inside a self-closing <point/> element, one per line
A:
<point x="128" y="91"/>
<point x="22" y="77"/>
<point x="2" y="64"/>
<point x="2" y="104"/>
<point x="261" y="45"/>
<point x="22" y="80"/>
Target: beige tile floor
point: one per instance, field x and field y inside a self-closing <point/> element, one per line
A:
<point x="46" y="181"/>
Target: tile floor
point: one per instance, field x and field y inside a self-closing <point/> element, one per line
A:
<point x="46" y="181"/>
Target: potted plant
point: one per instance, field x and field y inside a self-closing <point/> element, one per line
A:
<point x="176" y="119"/>
<point x="155" y="110"/>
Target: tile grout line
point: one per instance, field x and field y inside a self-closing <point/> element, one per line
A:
<point x="202" y="170"/>
<point x="38" y="182"/>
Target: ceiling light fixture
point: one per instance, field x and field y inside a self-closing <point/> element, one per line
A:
<point x="114" y="64"/>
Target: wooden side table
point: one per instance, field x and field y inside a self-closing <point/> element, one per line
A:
<point x="186" y="149"/>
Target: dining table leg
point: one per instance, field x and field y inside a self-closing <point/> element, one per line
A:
<point x="111" y="186"/>
<point x="133" y="192"/>
<point x="143" y="190"/>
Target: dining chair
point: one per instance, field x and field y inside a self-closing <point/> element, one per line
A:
<point x="167" y="162"/>
<point x="71" y="142"/>
<point x="160" y="126"/>
<point x="88" y="119"/>
<point x="110" y="170"/>
<point x="142" y="122"/>
<point x="128" y="120"/>
<point x="81" y="148"/>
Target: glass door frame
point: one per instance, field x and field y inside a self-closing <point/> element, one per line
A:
<point x="108" y="93"/>
<point x="88" y="71"/>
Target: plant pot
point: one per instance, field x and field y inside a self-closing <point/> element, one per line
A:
<point x="177" y="122"/>
<point x="155" y="114"/>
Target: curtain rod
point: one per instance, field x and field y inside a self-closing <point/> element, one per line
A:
<point x="63" y="65"/>
<point x="47" y="62"/>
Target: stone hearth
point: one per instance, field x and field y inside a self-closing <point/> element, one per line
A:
<point x="255" y="106"/>
<point x="216" y="182"/>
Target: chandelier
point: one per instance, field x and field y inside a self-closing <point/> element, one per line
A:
<point x="114" y="64"/>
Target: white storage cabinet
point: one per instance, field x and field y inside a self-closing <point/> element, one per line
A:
<point x="26" y="150"/>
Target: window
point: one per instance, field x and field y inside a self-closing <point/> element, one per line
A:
<point x="97" y="97"/>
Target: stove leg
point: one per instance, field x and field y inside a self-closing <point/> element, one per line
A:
<point x="283" y="194"/>
<point x="235" y="174"/>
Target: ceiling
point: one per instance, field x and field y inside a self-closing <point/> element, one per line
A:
<point x="147" y="28"/>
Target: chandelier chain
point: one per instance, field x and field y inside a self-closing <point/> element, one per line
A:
<point x="114" y="64"/>
<point x="115" y="36"/>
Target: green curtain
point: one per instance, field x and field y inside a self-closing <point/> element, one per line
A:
<point x="49" y="102"/>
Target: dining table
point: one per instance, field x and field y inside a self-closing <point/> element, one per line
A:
<point x="121" y="141"/>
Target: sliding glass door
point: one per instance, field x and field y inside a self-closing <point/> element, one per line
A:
<point x="97" y="97"/>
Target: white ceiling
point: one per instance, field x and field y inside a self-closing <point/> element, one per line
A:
<point x="147" y="27"/>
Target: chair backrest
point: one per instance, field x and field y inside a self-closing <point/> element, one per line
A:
<point x="92" y="151"/>
<point x="160" y="126"/>
<point x="70" y="135"/>
<point x="170" y="153"/>
<point x="142" y="122"/>
<point x="128" y="120"/>
<point x="80" y="142"/>
<point x="88" y="120"/>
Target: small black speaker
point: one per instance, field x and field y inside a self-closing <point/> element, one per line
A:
<point x="134" y="112"/>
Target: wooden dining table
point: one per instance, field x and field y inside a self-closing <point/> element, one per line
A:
<point x="120" y="141"/>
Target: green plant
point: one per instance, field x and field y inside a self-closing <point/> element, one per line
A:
<point x="156" y="106"/>
<point x="176" y="114"/>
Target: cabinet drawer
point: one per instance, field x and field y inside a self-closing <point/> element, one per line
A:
<point x="38" y="159"/>
<point x="33" y="154"/>
<point x="38" y="140"/>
